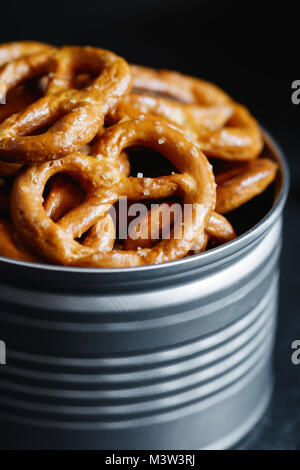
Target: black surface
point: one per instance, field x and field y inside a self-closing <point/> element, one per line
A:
<point x="252" y="52"/>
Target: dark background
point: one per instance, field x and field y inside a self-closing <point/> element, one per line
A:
<point x="252" y="52"/>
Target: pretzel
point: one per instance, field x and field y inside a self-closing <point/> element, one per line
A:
<point x="17" y="99"/>
<point x="21" y="96"/>
<point x="239" y="139"/>
<point x="239" y="185"/>
<point x="104" y="185"/>
<point x="78" y="114"/>
<point x="11" y="169"/>
<point x="98" y="238"/>
<point x="15" y="50"/>
<point x="9" y="246"/>
<point x="196" y="190"/>
<point x="193" y="119"/>
<point x="56" y="241"/>
<point x="145" y="232"/>
<point x="183" y="88"/>
<point x="219" y="229"/>
<point x="101" y="236"/>
<point x="64" y="194"/>
<point x="59" y="103"/>
<point x="200" y="247"/>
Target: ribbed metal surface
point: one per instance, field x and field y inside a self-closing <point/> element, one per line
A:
<point x="169" y="357"/>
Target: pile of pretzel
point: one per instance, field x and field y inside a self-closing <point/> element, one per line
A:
<point x="69" y="116"/>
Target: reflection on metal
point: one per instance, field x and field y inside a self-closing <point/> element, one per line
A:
<point x="2" y="353"/>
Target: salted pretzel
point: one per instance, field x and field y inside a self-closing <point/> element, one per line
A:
<point x="240" y="184"/>
<point x="257" y="175"/>
<point x="239" y="139"/>
<point x="21" y="96"/>
<point x="203" y="112"/>
<point x="100" y="236"/>
<point x="104" y="185"/>
<point x="57" y="241"/>
<point x="194" y="119"/>
<point x="59" y="102"/>
<point x="74" y="116"/>
<point x="65" y="194"/>
<point x="194" y="190"/>
<point x="148" y="229"/>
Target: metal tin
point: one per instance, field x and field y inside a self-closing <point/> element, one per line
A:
<point x="172" y="356"/>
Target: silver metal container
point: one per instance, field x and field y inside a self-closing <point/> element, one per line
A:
<point x="173" y="356"/>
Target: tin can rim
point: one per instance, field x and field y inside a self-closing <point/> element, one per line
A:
<point x="198" y="260"/>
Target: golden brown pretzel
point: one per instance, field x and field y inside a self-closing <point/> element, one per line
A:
<point x="194" y="119"/>
<point x="66" y="194"/>
<point x="219" y="229"/>
<point x="239" y="185"/>
<point x="104" y="185"/>
<point x="14" y="50"/>
<point x="195" y="185"/>
<point x="21" y="96"/>
<point x="10" y="247"/>
<point x="78" y="114"/>
<point x="17" y="99"/>
<point x="101" y="236"/>
<point x="239" y="139"/>
<point x="181" y="87"/>
<point x="146" y="231"/>
<point x="56" y="241"/>
<point x="98" y="238"/>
